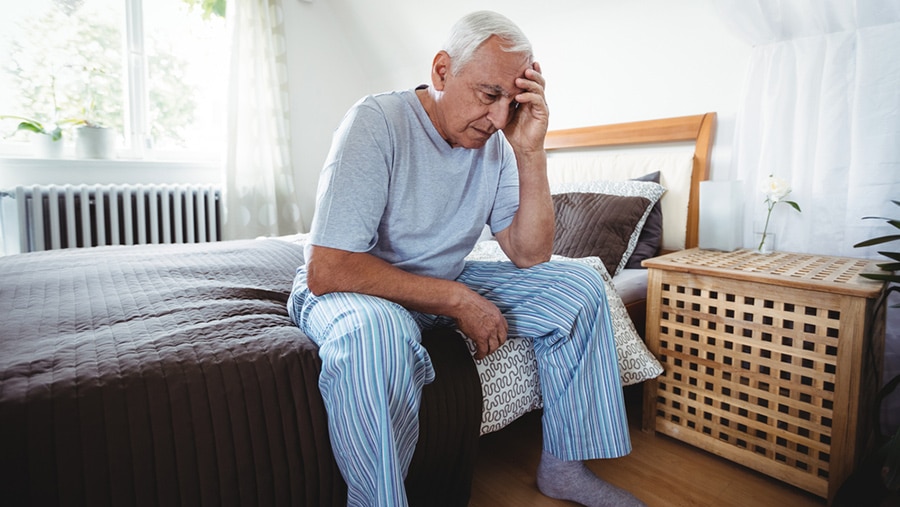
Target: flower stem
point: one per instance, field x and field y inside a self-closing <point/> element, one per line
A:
<point x="765" y="227"/>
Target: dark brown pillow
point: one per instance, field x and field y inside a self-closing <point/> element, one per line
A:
<point x="651" y="235"/>
<point x="589" y="224"/>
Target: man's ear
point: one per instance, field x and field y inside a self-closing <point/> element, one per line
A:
<point x="440" y="69"/>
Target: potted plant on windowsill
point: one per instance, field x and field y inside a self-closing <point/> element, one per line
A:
<point x="48" y="138"/>
<point x="48" y="141"/>
<point x="92" y="140"/>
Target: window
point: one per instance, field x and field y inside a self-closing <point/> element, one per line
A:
<point x="153" y="71"/>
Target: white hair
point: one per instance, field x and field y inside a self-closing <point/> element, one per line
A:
<point x="470" y="32"/>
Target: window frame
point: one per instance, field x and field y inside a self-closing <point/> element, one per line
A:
<point x="136" y="72"/>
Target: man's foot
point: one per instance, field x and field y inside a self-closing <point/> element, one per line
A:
<point x="573" y="481"/>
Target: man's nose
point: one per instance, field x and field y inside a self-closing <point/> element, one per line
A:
<point x="500" y="113"/>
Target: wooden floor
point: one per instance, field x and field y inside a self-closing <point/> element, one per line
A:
<point x="660" y="470"/>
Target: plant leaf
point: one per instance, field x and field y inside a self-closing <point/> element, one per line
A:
<point x="889" y="266"/>
<point x="31" y="127"/>
<point x="891" y="221"/>
<point x="891" y="255"/>
<point x="876" y="241"/>
<point x="794" y="205"/>
<point x="14" y="117"/>
<point x="75" y="122"/>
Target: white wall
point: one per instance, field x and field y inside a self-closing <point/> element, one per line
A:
<point x="605" y="61"/>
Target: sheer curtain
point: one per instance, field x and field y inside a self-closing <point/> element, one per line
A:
<point x="821" y="108"/>
<point x="259" y="179"/>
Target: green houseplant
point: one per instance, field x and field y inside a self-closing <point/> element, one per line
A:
<point x="93" y="139"/>
<point x="49" y="133"/>
<point x="48" y="140"/>
<point x="32" y="125"/>
<point x="877" y="481"/>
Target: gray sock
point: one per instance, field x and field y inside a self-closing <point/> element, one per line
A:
<point x="573" y="481"/>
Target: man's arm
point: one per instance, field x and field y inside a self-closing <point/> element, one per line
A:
<point x="333" y="270"/>
<point x="529" y="239"/>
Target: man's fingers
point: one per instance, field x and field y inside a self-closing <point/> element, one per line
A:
<point x="486" y="347"/>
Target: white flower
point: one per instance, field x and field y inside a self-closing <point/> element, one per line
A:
<point x="775" y="188"/>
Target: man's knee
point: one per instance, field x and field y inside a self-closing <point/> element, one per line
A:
<point x="578" y="281"/>
<point x="373" y="316"/>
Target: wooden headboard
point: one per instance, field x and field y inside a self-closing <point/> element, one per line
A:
<point x="698" y="129"/>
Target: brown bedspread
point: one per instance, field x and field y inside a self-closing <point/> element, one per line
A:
<point x="172" y="375"/>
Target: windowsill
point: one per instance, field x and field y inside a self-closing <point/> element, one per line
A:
<point x="16" y="171"/>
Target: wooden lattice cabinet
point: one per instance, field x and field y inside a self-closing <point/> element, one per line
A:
<point x="771" y="361"/>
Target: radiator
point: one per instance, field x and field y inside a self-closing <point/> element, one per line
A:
<point x="74" y="216"/>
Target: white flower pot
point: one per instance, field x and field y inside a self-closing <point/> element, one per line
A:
<point x="46" y="147"/>
<point x="93" y="142"/>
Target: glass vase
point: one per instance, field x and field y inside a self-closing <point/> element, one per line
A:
<point x="765" y="245"/>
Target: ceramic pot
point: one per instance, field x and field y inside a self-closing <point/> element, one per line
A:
<point x="93" y="142"/>
<point x="46" y="147"/>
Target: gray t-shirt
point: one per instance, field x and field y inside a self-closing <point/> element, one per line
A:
<point x="391" y="186"/>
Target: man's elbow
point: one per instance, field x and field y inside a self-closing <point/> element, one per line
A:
<point x="315" y="281"/>
<point x="527" y="261"/>
<point x="320" y="272"/>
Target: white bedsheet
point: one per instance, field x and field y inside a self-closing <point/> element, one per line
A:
<point x="631" y="285"/>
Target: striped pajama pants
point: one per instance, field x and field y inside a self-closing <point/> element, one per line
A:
<point x="374" y="367"/>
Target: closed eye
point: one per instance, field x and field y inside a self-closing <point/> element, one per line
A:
<point x="489" y="98"/>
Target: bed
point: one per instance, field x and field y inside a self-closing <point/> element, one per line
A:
<point x="171" y="374"/>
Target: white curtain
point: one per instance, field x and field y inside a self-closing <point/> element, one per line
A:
<point x="259" y="180"/>
<point x="821" y="108"/>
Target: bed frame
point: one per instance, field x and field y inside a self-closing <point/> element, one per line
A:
<point x="699" y="129"/>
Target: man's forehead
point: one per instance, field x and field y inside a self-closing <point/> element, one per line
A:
<point x="493" y="81"/>
<point x="494" y="70"/>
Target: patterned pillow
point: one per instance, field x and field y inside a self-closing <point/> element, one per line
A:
<point x="652" y="192"/>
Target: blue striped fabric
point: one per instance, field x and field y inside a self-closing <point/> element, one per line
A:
<point x="372" y="388"/>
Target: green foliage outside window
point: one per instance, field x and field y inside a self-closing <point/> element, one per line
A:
<point x="69" y="75"/>
<point x="68" y="69"/>
<point x="209" y="7"/>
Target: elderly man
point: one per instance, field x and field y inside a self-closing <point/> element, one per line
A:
<point x="410" y="182"/>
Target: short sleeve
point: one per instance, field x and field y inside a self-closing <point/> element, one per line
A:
<point x="353" y="187"/>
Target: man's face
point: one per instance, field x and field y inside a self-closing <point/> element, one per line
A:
<point x="479" y="99"/>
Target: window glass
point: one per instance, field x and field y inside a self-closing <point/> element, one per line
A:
<point x="187" y="61"/>
<point x="153" y="71"/>
<point x="63" y="62"/>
